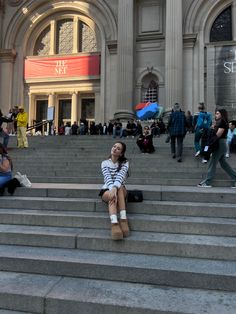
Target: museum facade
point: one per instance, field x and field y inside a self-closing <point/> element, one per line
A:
<point x="96" y="59"/>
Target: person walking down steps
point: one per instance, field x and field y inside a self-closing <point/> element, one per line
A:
<point x="177" y="130"/>
<point x="113" y="192"/>
<point x="218" y="155"/>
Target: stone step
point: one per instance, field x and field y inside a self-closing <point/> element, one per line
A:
<point x="2" y="311"/>
<point x="137" y="175"/>
<point x="126" y="267"/>
<point x="160" y="207"/>
<point x="179" y="245"/>
<point x="138" y="222"/>
<point x="150" y="192"/>
<point x="145" y="181"/>
<point x="51" y="294"/>
<point x="151" y="243"/>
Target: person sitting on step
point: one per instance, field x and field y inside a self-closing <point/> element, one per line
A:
<point x="145" y="141"/>
<point x="6" y="180"/>
<point x="113" y="192"/>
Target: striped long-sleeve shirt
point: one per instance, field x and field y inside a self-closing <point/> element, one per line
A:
<point x="113" y="177"/>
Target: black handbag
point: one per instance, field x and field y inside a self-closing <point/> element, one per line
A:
<point x="135" y="196"/>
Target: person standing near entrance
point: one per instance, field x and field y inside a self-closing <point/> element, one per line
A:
<point x="4" y="133"/>
<point x="22" y="121"/>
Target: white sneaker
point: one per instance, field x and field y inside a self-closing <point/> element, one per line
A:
<point x="227" y="155"/>
<point x="204" y="185"/>
<point x="197" y="153"/>
<point x="204" y="161"/>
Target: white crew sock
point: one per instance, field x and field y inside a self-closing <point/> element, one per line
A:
<point x="123" y="214"/>
<point x="114" y="219"/>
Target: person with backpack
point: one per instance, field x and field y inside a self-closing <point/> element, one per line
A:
<point x="201" y="123"/>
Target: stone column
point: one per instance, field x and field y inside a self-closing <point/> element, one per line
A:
<point x="53" y="38"/>
<point x="7" y="59"/>
<point x="234" y="19"/>
<point x="124" y="108"/>
<point x="76" y="34"/>
<point x="32" y="110"/>
<point x="173" y="53"/>
<point x="51" y="100"/>
<point x="51" y="103"/>
<point x="74" y="107"/>
<point x="1" y="20"/>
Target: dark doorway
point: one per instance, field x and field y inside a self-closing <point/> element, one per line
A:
<point x="88" y="109"/>
<point x="64" y="111"/>
<point x="41" y="113"/>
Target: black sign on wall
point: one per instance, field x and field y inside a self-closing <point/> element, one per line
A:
<point x="225" y="78"/>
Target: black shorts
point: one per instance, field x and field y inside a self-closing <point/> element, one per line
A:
<point x="102" y="191"/>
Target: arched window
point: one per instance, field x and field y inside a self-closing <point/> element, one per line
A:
<point x="42" y="46"/>
<point x="222" y="27"/>
<point x="150" y="88"/>
<point x="86" y="41"/>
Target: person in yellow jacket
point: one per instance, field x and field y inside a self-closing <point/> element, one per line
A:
<point x="22" y="120"/>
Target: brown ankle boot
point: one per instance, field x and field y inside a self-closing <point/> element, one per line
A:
<point x="116" y="233"/>
<point x="124" y="227"/>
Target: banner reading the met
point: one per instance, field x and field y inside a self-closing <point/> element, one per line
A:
<point x="225" y="78"/>
<point x="68" y="66"/>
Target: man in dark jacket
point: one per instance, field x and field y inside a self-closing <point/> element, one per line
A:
<point x="177" y="130"/>
<point x="4" y="134"/>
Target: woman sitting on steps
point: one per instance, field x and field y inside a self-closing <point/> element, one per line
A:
<point x="115" y="171"/>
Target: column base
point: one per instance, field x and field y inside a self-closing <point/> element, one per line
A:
<point x="124" y="114"/>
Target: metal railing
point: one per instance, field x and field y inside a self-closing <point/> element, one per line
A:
<point x="40" y="124"/>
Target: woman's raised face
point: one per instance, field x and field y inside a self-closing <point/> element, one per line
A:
<point x="117" y="150"/>
<point x="217" y="115"/>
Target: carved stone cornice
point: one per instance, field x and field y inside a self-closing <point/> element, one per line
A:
<point x="112" y="46"/>
<point x="7" y="55"/>
<point x="189" y="40"/>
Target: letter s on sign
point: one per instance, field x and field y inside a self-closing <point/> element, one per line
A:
<point x="227" y="66"/>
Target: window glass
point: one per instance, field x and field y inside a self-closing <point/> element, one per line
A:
<point x="64" y="36"/>
<point x="222" y="27"/>
<point x="42" y="46"/>
<point x="88" y="42"/>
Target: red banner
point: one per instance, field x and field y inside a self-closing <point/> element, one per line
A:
<point x="73" y="66"/>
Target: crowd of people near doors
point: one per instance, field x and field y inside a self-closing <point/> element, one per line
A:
<point x="116" y="128"/>
<point x="179" y="124"/>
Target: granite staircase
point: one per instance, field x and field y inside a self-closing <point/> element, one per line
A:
<point x="56" y="255"/>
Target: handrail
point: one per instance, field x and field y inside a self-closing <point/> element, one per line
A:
<point x="41" y="123"/>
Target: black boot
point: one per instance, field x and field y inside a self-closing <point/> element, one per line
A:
<point x="2" y="191"/>
<point x="12" y="185"/>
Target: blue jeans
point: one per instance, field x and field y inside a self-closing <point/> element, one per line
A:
<point x="4" y="178"/>
<point x="179" y="139"/>
<point x="5" y="137"/>
<point x="117" y="132"/>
